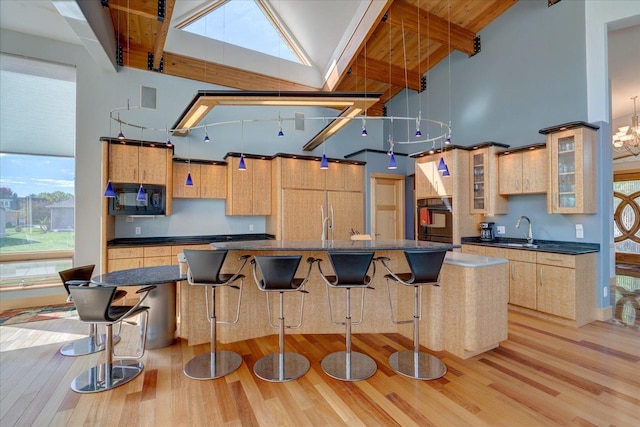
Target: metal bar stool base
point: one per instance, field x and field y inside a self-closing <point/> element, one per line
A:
<point x="84" y="346"/>
<point x="93" y="379"/>
<point x="209" y="366"/>
<point x="362" y="366"/>
<point x="417" y="365"/>
<point x="268" y="367"/>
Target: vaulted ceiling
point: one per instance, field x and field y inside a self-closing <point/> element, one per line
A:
<point x="380" y="46"/>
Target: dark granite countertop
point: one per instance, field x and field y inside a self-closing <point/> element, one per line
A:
<point x="333" y="245"/>
<point x="141" y="276"/>
<point x="559" y="247"/>
<point x="186" y="240"/>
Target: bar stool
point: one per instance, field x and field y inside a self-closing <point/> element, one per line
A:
<point x="94" y="342"/>
<point x="350" y="270"/>
<point x="204" y="270"/>
<point x="277" y="274"/>
<point x="94" y="306"/>
<point x="425" y="270"/>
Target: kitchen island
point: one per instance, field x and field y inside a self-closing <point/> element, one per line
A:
<point x="466" y="315"/>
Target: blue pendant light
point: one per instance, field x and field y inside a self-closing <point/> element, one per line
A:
<point x="241" y="165"/>
<point x="446" y="173"/>
<point x="141" y="194"/>
<point x="120" y="134"/>
<point x="442" y="166"/>
<point x="109" y="192"/>
<point x="189" y="181"/>
<point x="392" y="161"/>
<point x="324" y="163"/>
<point x="447" y="141"/>
<point x="206" y="137"/>
<point x="364" y="128"/>
<point x="418" y="133"/>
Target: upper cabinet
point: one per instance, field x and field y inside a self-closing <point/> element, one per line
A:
<point x="249" y="190"/>
<point x="485" y="198"/>
<point x="209" y="180"/>
<point x="524" y="171"/>
<point x="572" y="168"/>
<point x="429" y="181"/>
<point x="139" y="164"/>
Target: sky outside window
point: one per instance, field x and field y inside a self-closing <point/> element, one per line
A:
<point x="243" y="24"/>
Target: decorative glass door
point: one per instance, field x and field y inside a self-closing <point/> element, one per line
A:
<point x="478" y="182"/>
<point x="566" y="172"/>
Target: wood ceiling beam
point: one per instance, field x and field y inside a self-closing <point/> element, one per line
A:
<point x="402" y="13"/>
<point x="363" y="31"/>
<point x="161" y="37"/>
<point x="143" y="8"/>
<point x="379" y="70"/>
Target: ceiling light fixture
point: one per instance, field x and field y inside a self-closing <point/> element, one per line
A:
<point x="627" y="139"/>
<point x="241" y="164"/>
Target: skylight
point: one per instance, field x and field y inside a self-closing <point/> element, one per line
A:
<point x="244" y="24"/>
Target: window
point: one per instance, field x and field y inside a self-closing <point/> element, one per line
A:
<point x="37" y="170"/>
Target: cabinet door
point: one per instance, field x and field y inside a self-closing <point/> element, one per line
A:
<point x="123" y="163"/>
<point x="485" y="197"/>
<point x="478" y="181"/>
<point x="153" y="165"/>
<point x="213" y="182"/>
<point x="305" y="174"/>
<point x="522" y="284"/>
<point x="535" y="171"/>
<point x="473" y="249"/>
<point x="352" y="176"/>
<point x="180" y="171"/>
<point x="573" y="172"/>
<point x="124" y="264"/>
<point x="348" y="213"/>
<point x="240" y="188"/>
<point x="301" y="214"/>
<point x="444" y="184"/>
<point x="556" y="291"/>
<point x="261" y="186"/>
<point x="427" y="177"/>
<point x="510" y="166"/>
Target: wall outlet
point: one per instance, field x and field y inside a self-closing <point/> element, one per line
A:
<point x="501" y="229"/>
<point x="138" y="230"/>
<point x="128" y="219"/>
<point x="579" y="231"/>
<point x="250" y="227"/>
<point x="606" y="291"/>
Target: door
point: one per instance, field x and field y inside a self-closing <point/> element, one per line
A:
<point x="387" y="206"/>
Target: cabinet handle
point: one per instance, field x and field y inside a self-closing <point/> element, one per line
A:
<point x="541" y="277"/>
<point x="512" y="268"/>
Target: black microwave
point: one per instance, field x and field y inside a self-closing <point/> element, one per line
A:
<point x="129" y="201"/>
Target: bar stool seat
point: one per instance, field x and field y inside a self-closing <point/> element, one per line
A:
<point x="350" y="270"/>
<point x="425" y="269"/>
<point x="93" y="342"/>
<point x="276" y="274"/>
<point x="94" y="305"/>
<point x="204" y="270"/>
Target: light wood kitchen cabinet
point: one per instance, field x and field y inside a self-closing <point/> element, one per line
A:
<point x="209" y="181"/>
<point x="474" y="250"/>
<point x="572" y="168"/>
<point x="522" y="278"/>
<point x="135" y="164"/>
<point x="523" y="172"/>
<point x="248" y="191"/>
<point x="302" y="173"/>
<point x="344" y="177"/>
<point x="429" y="181"/>
<point x="124" y="258"/>
<point x="485" y="198"/>
<point x="301" y="216"/>
<point x="348" y="213"/>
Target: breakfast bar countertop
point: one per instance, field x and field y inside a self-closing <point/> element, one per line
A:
<point x="554" y="246"/>
<point x="331" y="245"/>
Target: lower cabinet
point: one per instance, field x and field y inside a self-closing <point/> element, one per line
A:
<point x="556" y="286"/>
<point x="137" y="257"/>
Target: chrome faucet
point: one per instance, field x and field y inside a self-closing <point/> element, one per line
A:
<point x="529" y="235"/>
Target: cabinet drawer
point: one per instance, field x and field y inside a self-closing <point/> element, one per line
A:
<point x="524" y="256"/>
<point x="155" y="261"/>
<point x="497" y="252"/>
<point x="151" y="251"/>
<point x="121" y="253"/>
<point x="474" y="250"/>
<point x="124" y="264"/>
<point x="559" y="260"/>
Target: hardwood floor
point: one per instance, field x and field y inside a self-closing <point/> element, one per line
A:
<point x="543" y="375"/>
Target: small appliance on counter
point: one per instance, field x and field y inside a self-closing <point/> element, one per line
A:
<point x="486" y="231"/>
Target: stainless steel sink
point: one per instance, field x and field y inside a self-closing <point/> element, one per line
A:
<point x="522" y="245"/>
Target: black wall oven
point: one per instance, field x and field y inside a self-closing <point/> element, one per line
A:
<point x="434" y="218"/>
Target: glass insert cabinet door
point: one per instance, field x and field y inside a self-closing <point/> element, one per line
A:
<point x="573" y="168"/>
<point x="478" y="170"/>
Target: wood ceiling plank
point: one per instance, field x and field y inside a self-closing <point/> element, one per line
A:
<point x="145" y="8"/>
<point x="379" y="70"/>
<point x="404" y="14"/>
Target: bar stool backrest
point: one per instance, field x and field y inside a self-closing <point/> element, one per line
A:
<point x="277" y="271"/>
<point x="93" y="302"/>
<point x="350" y="267"/>
<point x="204" y="266"/>
<point x="425" y="265"/>
<point x="78" y="273"/>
